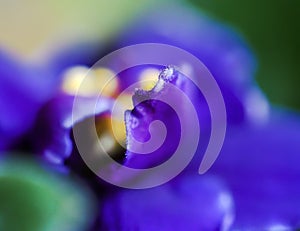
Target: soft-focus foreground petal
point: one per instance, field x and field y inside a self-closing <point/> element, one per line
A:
<point x="224" y="53"/>
<point x="190" y="203"/>
<point x="23" y="90"/>
<point x="51" y="135"/>
<point x="33" y="198"/>
<point x="261" y="166"/>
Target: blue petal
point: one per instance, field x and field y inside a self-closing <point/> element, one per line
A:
<point x="261" y="166"/>
<point x="51" y="135"/>
<point x="190" y="203"/>
<point x="23" y="91"/>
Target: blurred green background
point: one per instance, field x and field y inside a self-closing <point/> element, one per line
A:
<point x="273" y="31"/>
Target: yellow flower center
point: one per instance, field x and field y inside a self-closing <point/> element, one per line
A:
<point x="86" y="82"/>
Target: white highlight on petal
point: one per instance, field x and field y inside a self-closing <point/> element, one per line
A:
<point x="279" y="227"/>
<point x="186" y="69"/>
<point x="225" y="202"/>
<point x="257" y="106"/>
<point x="53" y="157"/>
<point x="159" y="85"/>
<point x="85" y="107"/>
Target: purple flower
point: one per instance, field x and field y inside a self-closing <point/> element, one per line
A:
<point x="253" y="184"/>
<point x="222" y="51"/>
<point x="189" y="201"/>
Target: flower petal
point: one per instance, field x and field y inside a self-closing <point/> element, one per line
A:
<point x="223" y="51"/>
<point x="23" y="91"/>
<point x="261" y="166"/>
<point x="51" y="135"/>
<point x="172" y="103"/>
<point x="191" y="203"/>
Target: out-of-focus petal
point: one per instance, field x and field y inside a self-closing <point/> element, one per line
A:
<point x="224" y="53"/>
<point x="51" y="134"/>
<point x="23" y="90"/>
<point x="261" y="166"/>
<point x="191" y="203"/>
